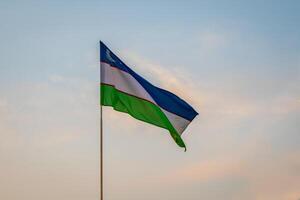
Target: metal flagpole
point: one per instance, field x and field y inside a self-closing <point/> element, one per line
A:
<point x="101" y="139"/>
<point x="101" y="152"/>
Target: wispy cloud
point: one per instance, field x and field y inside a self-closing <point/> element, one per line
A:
<point x="222" y="115"/>
<point x="56" y="78"/>
<point x="209" y="40"/>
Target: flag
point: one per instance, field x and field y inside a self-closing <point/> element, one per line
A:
<point x="126" y="91"/>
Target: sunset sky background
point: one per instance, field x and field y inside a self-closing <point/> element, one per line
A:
<point x="236" y="62"/>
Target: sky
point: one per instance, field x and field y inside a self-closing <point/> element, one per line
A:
<point x="236" y="62"/>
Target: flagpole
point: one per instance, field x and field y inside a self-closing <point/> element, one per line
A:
<point x="101" y="152"/>
<point x="101" y="139"/>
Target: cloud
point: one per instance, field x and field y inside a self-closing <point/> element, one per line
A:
<point x="183" y="84"/>
<point x="56" y="78"/>
<point x="3" y="103"/>
<point x="237" y="135"/>
<point x="261" y="176"/>
<point x="211" y="40"/>
<point x="272" y="176"/>
<point x="208" y="170"/>
<point x="175" y="80"/>
<point x="233" y="146"/>
<point x="47" y="131"/>
<point x="285" y="105"/>
<point x="49" y="110"/>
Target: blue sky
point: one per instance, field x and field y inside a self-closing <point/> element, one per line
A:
<point x="236" y="62"/>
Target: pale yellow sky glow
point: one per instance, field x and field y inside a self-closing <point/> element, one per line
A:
<point x="236" y="63"/>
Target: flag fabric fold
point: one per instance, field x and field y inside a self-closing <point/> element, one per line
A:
<point x="128" y="92"/>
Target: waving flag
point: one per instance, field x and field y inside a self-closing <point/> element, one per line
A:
<point x="128" y="92"/>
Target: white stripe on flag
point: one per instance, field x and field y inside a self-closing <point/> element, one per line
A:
<point x="178" y="122"/>
<point x="124" y="82"/>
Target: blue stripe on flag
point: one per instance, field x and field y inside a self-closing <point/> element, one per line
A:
<point x="166" y="100"/>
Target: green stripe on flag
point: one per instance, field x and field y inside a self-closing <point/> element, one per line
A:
<point x="138" y="108"/>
